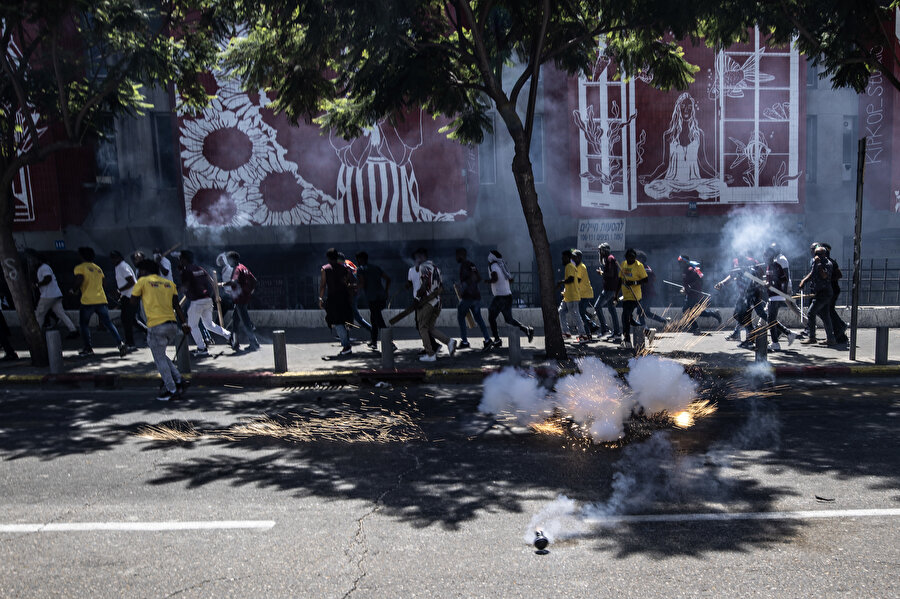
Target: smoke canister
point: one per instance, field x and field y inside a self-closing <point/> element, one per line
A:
<point x="540" y="541"/>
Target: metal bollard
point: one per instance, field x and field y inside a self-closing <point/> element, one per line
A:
<point x="183" y="354"/>
<point x="387" y="348"/>
<point x="515" y="346"/>
<point x="761" y="347"/>
<point x="279" y="348"/>
<point x="881" y="345"/>
<point x="54" y="351"/>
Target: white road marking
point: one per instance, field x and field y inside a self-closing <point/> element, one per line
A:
<point x="730" y="516"/>
<point x="137" y="526"/>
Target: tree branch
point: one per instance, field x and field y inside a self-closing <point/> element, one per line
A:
<point x="536" y="72"/>
<point x="61" y="89"/>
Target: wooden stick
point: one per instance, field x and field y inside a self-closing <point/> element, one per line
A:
<point x="171" y="249"/>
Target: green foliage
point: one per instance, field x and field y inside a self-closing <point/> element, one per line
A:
<point x="78" y="61"/>
<point x="348" y="63"/>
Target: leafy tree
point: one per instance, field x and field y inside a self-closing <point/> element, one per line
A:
<point x="66" y="65"/>
<point x="849" y="39"/>
<point x="360" y="61"/>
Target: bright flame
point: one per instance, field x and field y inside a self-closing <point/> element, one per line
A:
<point x="548" y="427"/>
<point x="684" y="419"/>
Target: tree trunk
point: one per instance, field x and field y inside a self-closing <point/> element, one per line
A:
<point x="19" y="287"/>
<point x="524" y="175"/>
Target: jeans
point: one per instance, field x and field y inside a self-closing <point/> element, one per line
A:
<point x="473" y="306"/>
<point x="821" y="307"/>
<point x="583" y="305"/>
<point x="426" y="317"/>
<point x="84" y="320"/>
<point x="357" y="316"/>
<point x="628" y="307"/>
<point x="606" y="299"/>
<point x="375" y="308"/>
<point x="201" y="311"/>
<point x="502" y="304"/>
<point x="158" y="339"/>
<point x="568" y="311"/>
<point x="242" y="318"/>
<point x="55" y="305"/>
<point x="343" y="335"/>
<point x="775" y="327"/>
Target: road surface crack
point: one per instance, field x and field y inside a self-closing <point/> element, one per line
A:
<point x="359" y="539"/>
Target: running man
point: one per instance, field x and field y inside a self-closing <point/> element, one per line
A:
<point x="51" y="297"/>
<point x="469" y="299"/>
<point x="609" y="270"/>
<point x="819" y="278"/>
<point x="586" y="293"/>
<point x="160" y="299"/>
<point x="89" y="282"/>
<point x="429" y="306"/>
<point x="692" y="282"/>
<point x="778" y="275"/>
<point x="632" y="275"/>
<point x="502" y="302"/>
<point x="197" y="285"/>
<point x="376" y="286"/>
<point x="568" y="307"/>
<point x="125" y="281"/>
<point x="242" y="286"/>
<point x="336" y="299"/>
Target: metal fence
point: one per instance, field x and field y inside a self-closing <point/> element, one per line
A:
<point x="879" y="286"/>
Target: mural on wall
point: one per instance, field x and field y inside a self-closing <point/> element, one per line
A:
<point x="731" y="138"/>
<point x="243" y="165"/>
<point x="23" y="191"/>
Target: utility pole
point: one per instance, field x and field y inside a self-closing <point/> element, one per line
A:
<point x="857" y="235"/>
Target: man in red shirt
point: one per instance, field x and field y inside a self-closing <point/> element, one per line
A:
<point x="242" y="286"/>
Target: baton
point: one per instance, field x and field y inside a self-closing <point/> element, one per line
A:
<point x="683" y="290"/>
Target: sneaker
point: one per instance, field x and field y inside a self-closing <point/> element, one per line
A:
<point x="775" y="346"/>
<point x="233" y="342"/>
<point x="166" y="395"/>
<point x="200" y="353"/>
<point x="73" y="335"/>
<point x="372" y="345"/>
<point x="451" y="347"/>
<point x="181" y="386"/>
<point x="253" y="348"/>
<point x="498" y="342"/>
<point x="735" y="336"/>
<point x="748" y="344"/>
<point x="428" y="358"/>
<point x="87" y="351"/>
<point x="791" y="338"/>
<point x="123" y="349"/>
<point x="842" y="339"/>
<point x="530" y="333"/>
<point x="809" y="341"/>
<point x="344" y="352"/>
<point x="464" y="345"/>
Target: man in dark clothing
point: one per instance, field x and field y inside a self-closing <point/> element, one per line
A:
<point x="469" y="299"/>
<point x="692" y="280"/>
<point x="819" y="278"/>
<point x="837" y="323"/>
<point x="609" y="270"/>
<point x="242" y="285"/>
<point x="335" y="298"/>
<point x="777" y="276"/>
<point x="376" y="286"/>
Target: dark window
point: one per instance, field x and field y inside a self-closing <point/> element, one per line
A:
<point x="164" y="149"/>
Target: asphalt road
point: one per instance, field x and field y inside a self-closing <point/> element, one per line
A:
<point x="441" y="505"/>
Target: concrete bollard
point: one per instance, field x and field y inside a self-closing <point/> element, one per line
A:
<point x="881" y="345"/>
<point x="279" y="348"/>
<point x="515" y="345"/>
<point x="387" y="348"/>
<point x="54" y="351"/>
<point x="183" y="354"/>
<point x="761" y="347"/>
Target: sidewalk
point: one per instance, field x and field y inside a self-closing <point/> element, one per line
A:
<point x="310" y="361"/>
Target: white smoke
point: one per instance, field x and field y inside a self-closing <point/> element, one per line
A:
<point x="753" y="228"/>
<point x="515" y="392"/>
<point x="654" y="475"/>
<point x="594" y="399"/>
<point x="660" y="384"/>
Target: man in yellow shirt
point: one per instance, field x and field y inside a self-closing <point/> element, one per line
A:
<point x="160" y="299"/>
<point x="586" y="291"/>
<point x="89" y="281"/>
<point x="568" y="308"/>
<point x="633" y="275"/>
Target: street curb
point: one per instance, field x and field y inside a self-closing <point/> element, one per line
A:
<point x="357" y="377"/>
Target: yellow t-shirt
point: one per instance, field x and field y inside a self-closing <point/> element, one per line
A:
<point x="632" y="272"/>
<point x="584" y="285"/>
<point x="156" y="293"/>
<point x="92" y="284"/>
<point x="571" y="289"/>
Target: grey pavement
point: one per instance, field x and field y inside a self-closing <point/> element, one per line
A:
<point x="313" y="350"/>
<point x="444" y="515"/>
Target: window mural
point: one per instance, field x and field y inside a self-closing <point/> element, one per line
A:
<point x="731" y="138"/>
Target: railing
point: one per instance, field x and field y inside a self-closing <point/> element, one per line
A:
<point x="879" y="286"/>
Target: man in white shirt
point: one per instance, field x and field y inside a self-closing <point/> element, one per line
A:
<point x="414" y="281"/>
<point x="125" y="281"/>
<point x="51" y="298"/>
<point x="429" y="306"/>
<point x="502" y="302"/>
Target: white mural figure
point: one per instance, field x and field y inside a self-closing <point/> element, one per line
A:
<point x="734" y="78"/>
<point x="376" y="182"/>
<point x="685" y="171"/>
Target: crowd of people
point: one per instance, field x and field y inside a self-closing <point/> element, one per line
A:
<point x="147" y="295"/>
